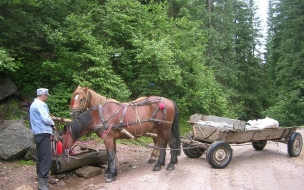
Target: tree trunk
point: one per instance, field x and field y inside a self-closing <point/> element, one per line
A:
<point x="63" y="163"/>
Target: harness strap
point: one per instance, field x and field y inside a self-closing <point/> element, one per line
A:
<point x="100" y="113"/>
<point x="125" y="107"/>
<point x="97" y="127"/>
<point x="157" y="109"/>
<point x="147" y="101"/>
<point x="121" y="125"/>
<point x="88" y="98"/>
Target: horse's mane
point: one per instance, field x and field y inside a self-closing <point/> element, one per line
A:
<point x="97" y="99"/>
<point x="80" y="123"/>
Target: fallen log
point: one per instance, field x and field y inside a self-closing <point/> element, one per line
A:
<point x="63" y="163"/>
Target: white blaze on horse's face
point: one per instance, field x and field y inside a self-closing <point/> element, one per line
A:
<point x="76" y="97"/>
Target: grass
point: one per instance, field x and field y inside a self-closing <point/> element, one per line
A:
<point x="27" y="162"/>
<point x="10" y="110"/>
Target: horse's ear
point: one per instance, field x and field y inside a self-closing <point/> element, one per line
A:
<point x="85" y="89"/>
<point x="78" y="86"/>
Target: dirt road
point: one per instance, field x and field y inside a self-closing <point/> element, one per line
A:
<point x="271" y="168"/>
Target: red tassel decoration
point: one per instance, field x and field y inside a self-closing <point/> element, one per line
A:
<point x="161" y="105"/>
<point x="59" y="148"/>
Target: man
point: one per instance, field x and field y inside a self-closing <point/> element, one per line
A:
<point x="42" y="125"/>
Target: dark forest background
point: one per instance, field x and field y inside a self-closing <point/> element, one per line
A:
<point x="204" y="54"/>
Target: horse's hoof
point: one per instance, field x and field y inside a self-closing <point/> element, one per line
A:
<point x="109" y="180"/>
<point x="151" y="161"/>
<point x="157" y="168"/>
<point x="170" y="167"/>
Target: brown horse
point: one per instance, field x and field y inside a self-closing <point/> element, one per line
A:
<point x="85" y="98"/>
<point x="113" y="120"/>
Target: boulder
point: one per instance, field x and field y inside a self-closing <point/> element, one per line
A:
<point x="31" y="153"/>
<point x="7" y="86"/>
<point x="15" y="139"/>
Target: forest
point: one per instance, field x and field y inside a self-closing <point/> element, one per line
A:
<point x="205" y="55"/>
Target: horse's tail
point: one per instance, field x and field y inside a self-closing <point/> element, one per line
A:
<point x="175" y="129"/>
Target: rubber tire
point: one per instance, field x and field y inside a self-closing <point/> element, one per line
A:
<point x="259" y="145"/>
<point x="219" y="154"/>
<point x="295" y="144"/>
<point x="193" y="152"/>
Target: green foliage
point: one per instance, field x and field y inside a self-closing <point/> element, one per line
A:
<point x="285" y="66"/>
<point x="7" y="63"/>
<point x="287" y="109"/>
<point x="58" y="102"/>
<point x="204" y="57"/>
<point x="27" y="162"/>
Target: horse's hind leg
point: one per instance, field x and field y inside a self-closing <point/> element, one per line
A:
<point x="174" y="152"/>
<point x="162" y="155"/>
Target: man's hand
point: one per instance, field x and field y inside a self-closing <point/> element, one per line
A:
<point x="53" y="127"/>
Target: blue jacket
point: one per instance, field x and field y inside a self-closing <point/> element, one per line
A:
<point x="40" y="118"/>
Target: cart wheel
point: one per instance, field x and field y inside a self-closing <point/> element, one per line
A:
<point x="195" y="152"/>
<point x="219" y="154"/>
<point x="259" y="145"/>
<point x="295" y="144"/>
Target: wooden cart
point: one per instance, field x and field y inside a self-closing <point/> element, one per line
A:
<point x="215" y="140"/>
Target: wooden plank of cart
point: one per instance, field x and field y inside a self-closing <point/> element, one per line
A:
<point x="216" y="140"/>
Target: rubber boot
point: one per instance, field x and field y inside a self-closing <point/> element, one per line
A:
<point x="42" y="183"/>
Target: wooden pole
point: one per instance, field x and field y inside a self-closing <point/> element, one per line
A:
<point x="62" y="119"/>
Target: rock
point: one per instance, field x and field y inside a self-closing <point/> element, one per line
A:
<point x="60" y="184"/>
<point x="59" y="176"/>
<point x="7" y="86"/>
<point x="24" y="187"/>
<point x="88" y="171"/>
<point x="31" y="153"/>
<point x="15" y="139"/>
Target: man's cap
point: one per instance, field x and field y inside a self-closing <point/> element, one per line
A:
<point x="41" y="91"/>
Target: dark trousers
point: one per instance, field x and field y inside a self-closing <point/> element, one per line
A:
<point x="44" y="154"/>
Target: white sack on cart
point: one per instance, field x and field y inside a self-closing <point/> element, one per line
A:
<point x="262" y="123"/>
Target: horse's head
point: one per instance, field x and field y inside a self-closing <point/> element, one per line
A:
<point x="79" y="101"/>
<point x="67" y="138"/>
<point x="86" y="122"/>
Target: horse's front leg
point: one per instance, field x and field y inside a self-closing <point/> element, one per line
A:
<point x="155" y="153"/>
<point x="111" y="171"/>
